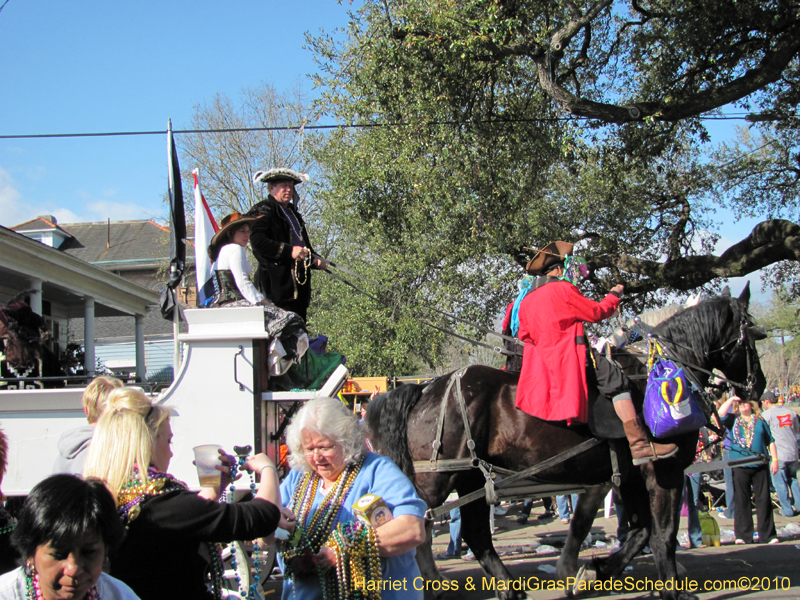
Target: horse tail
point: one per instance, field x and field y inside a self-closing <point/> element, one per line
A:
<point x="387" y="417"/>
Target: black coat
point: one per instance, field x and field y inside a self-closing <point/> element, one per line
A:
<point x="271" y="241"/>
<point x="161" y="555"/>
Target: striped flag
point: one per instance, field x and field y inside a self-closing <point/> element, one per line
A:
<point x="204" y="229"/>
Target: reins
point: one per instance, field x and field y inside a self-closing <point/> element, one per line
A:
<point x="749" y="382"/>
<point x="709" y="407"/>
<point x="481" y="328"/>
<point x="489" y="491"/>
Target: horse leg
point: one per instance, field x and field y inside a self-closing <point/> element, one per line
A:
<point x="655" y="509"/>
<point x="478" y="537"/>
<point x="633" y="492"/>
<point x="666" y="492"/>
<point x="585" y="512"/>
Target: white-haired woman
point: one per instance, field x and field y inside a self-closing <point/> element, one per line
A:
<point x="167" y="524"/>
<point x="332" y="553"/>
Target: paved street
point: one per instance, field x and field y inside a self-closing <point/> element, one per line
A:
<point x="770" y="565"/>
<point x="778" y="563"/>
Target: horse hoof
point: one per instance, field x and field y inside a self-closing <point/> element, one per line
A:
<point x="585" y="576"/>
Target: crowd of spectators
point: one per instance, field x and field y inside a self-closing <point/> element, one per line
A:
<point x="104" y="525"/>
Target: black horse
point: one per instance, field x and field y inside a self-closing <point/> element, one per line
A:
<point x="717" y="334"/>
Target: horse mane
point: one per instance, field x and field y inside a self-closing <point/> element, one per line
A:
<point x="701" y="327"/>
<point x="3" y="454"/>
<point x="387" y="418"/>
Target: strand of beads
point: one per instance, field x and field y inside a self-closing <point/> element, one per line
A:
<point x="33" y="588"/>
<point x="231" y="499"/>
<point x="8" y="528"/>
<point x="306" y="264"/>
<point x="253" y="590"/>
<point x="217" y="568"/>
<point x="357" y="563"/>
<point x="134" y="492"/>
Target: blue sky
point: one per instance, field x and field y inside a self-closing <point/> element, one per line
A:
<point x="97" y="66"/>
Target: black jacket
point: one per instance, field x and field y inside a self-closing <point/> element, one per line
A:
<point x="161" y="556"/>
<point x="271" y="241"/>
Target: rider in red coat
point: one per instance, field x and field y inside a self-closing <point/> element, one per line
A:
<point x="558" y="364"/>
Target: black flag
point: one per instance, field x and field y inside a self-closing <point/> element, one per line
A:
<point x="177" y="229"/>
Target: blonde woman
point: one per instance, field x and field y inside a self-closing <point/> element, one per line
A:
<point x="167" y="524"/>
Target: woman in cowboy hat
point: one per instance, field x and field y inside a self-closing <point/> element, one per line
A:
<point x="232" y="270"/>
<point x="558" y="364"/>
<point x="232" y="273"/>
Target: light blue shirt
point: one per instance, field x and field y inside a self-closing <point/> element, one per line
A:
<point x="380" y="476"/>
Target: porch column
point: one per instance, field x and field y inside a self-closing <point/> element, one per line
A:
<point x="88" y="335"/>
<point x="36" y="295"/>
<point x="140" y="359"/>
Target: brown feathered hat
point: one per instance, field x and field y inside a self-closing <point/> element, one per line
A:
<point x="230" y="222"/>
<point x="552" y="254"/>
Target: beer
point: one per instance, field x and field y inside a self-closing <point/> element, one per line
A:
<point x="210" y="480"/>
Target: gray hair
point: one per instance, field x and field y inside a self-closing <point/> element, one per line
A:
<point x="331" y="418"/>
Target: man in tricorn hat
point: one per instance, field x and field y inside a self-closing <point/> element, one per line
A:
<point x="280" y="243"/>
<point x="558" y="363"/>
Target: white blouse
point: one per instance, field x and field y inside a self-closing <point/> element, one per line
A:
<point x="233" y="258"/>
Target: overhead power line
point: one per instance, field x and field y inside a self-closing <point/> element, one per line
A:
<point x="307" y="127"/>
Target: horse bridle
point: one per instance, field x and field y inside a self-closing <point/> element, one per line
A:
<point x="751" y="353"/>
<point x="742" y="340"/>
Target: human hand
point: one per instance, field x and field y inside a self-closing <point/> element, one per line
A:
<point x="225" y="468"/>
<point x="773" y="467"/>
<point x="618" y="289"/>
<point x="258" y="462"/>
<point x="321" y="264"/>
<point x="300" y="253"/>
<point x="287" y="521"/>
<point x="326" y="558"/>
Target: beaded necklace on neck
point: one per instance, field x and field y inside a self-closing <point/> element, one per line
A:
<point x="297" y="232"/>
<point x="746" y="426"/>
<point x="306" y="262"/>
<point x="135" y="492"/>
<point x="314" y="534"/>
<point x="34" y="590"/>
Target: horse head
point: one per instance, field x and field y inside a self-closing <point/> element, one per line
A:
<point x="719" y="333"/>
<point x="742" y="357"/>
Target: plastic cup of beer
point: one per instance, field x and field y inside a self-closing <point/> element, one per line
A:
<point x="206" y="458"/>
